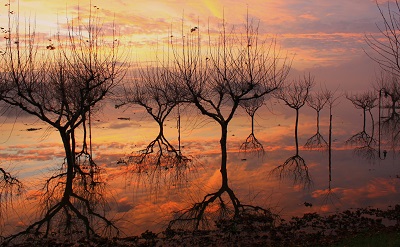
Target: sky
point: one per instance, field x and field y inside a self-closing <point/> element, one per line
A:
<point x="323" y="37"/>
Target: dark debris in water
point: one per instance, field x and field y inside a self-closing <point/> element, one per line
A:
<point x="33" y="129"/>
<point x="312" y="229"/>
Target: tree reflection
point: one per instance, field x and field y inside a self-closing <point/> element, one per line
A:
<point x="61" y="87"/>
<point x="364" y="142"/>
<point x="9" y="186"/>
<point x="389" y="103"/>
<point x="332" y="101"/>
<point x="295" y="96"/>
<point x="330" y="197"/>
<point x="317" y="101"/>
<point x="238" y="68"/>
<point x="384" y="51"/>
<point x="252" y="144"/>
<point x="157" y="91"/>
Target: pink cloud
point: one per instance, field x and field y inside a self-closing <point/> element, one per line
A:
<point x="309" y="17"/>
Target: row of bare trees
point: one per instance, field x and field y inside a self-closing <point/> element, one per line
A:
<point x="384" y="129"/>
<point x="235" y="69"/>
<point x="384" y="50"/>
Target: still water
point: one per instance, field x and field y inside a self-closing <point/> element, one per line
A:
<point x="138" y="205"/>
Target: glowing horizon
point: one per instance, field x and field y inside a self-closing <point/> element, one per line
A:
<point x="317" y="34"/>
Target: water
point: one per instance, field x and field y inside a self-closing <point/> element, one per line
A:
<point x="138" y="206"/>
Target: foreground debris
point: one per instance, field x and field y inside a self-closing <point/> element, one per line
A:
<point x="311" y="229"/>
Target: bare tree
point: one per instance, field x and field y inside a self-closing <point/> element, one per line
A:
<point x="252" y="144"/>
<point x="332" y="101"/>
<point x="385" y="51"/>
<point x="238" y="68"/>
<point x="10" y="186"/>
<point x="330" y="196"/>
<point x="388" y="89"/>
<point x="61" y="85"/>
<point x="295" y="96"/>
<point x="157" y="91"/>
<point x="365" y="142"/>
<point x="385" y="46"/>
<point x="317" y="101"/>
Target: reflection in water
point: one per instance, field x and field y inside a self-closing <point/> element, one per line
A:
<point x="216" y="84"/>
<point x="389" y="117"/>
<point x="332" y="100"/>
<point x="252" y="144"/>
<point x="136" y="209"/>
<point x="295" y="96"/>
<point x="365" y="143"/>
<point x="296" y="169"/>
<point x="330" y="198"/>
<point x="317" y="102"/>
<point x="159" y="161"/>
<point x="62" y="90"/>
<point x="10" y="186"/>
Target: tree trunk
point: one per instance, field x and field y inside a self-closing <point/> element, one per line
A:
<point x="330" y="145"/>
<point x="224" y="155"/>
<point x="295" y="131"/>
<point x="365" y="119"/>
<point x="161" y="129"/>
<point x="372" y="126"/>
<point x="70" y="157"/>
<point x="252" y="124"/>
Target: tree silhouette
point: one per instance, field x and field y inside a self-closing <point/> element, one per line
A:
<point x="159" y="94"/>
<point x="62" y="86"/>
<point x="384" y="50"/>
<point x="295" y="96"/>
<point x="317" y="101"/>
<point x="252" y="144"/>
<point x="363" y="141"/>
<point x="385" y="45"/>
<point x="9" y="187"/>
<point x="331" y="99"/>
<point x="389" y="102"/>
<point x="237" y="68"/>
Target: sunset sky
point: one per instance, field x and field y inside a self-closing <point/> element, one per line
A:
<point x="324" y="37"/>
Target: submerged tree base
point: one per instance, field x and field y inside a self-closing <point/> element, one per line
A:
<point x="296" y="169"/>
<point x="317" y="141"/>
<point x="252" y="145"/>
<point x="76" y="219"/>
<point x="214" y="212"/>
<point x="71" y="211"/>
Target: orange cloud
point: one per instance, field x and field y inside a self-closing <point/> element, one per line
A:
<point x="309" y="17"/>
